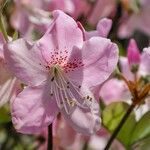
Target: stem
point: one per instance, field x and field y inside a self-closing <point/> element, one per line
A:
<point x="85" y="146"/>
<point x="115" y="133"/>
<point x="50" y="138"/>
<point x="3" y="30"/>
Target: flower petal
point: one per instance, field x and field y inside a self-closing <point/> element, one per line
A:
<point x="33" y="109"/>
<point x="145" y="62"/>
<point x="6" y="90"/>
<point x="25" y="62"/>
<point x="100" y="57"/>
<point x="125" y="68"/>
<point x="102" y="29"/>
<point x="60" y="37"/>
<point x="104" y="26"/>
<point x="83" y="121"/>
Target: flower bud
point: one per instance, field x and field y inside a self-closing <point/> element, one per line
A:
<point x="133" y="55"/>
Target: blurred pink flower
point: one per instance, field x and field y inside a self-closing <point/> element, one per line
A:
<point x="59" y="69"/>
<point x="8" y="82"/>
<point x="82" y="7"/>
<point x="64" y="5"/>
<point x="28" y="15"/>
<point x="118" y="92"/>
<point x="102" y="8"/>
<point x="136" y="21"/>
<point x="143" y="66"/>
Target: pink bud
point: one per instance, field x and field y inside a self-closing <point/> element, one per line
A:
<point x="133" y="53"/>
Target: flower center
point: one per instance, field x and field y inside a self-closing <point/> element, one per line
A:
<point x="68" y="94"/>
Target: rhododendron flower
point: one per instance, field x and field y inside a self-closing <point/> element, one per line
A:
<point x="60" y="69"/>
<point x="7" y="81"/>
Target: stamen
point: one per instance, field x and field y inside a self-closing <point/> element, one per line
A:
<point x="67" y="94"/>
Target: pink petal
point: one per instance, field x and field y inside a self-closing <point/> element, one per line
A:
<point x="6" y="90"/>
<point x="25" y="62"/>
<point x="125" y="68"/>
<point x="104" y="26"/>
<point x="100" y="57"/>
<point x="118" y="91"/>
<point x="103" y="8"/>
<point x="61" y="37"/>
<point x="145" y="62"/>
<point x="20" y="21"/>
<point x="84" y="121"/>
<point x="102" y="30"/>
<point x="2" y="41"/>
<point x="64" y="5"/>
<point x="33" y="109"/>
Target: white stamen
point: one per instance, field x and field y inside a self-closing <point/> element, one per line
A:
<point x="65" y="97"/>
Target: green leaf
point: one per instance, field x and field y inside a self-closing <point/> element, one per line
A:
<point x="111" y="117"/>
<point x="143" y="144"/>
<point x="15" y="35"/>
<point x="4" y="115"/>
<point x="2" y="27"/>
<point x="142" y="128"/>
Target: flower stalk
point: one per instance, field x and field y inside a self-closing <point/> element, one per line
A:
<point x="50" y="137"/>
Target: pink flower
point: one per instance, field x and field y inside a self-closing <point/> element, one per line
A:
<point x="143" y="66"/>
<point x="28" y="15"/>
<point x="60" y="68"/>
<point x="8" y="82"/>
<point x="133" y="53"/>
<point x="143" y="71"/>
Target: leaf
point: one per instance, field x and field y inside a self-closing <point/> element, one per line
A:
<point x="111" y="117"/>
<point x="4" y="115"/>
<point x="143" y="144"/>
<point x="142" y="129"/>
<point x="2" y="27"/>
